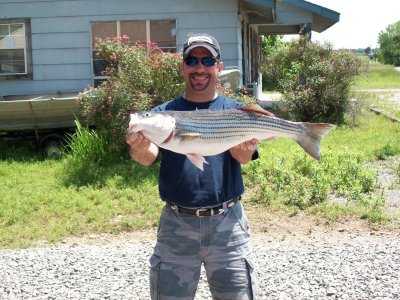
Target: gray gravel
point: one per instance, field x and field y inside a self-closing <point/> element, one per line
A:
<point x="340" y="266"/>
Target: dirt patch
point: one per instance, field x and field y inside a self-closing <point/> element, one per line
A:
<point x="269" y="227"/>
<point x="304" y="226"/>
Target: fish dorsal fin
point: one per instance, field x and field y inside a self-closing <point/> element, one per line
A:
<point x="257" y="109"/>
<point x="189" y="135"/>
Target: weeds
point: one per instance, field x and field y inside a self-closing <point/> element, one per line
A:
<point x="391" y="148"/>
<point x="301" y="182"/>
<point x="87" y="152"/>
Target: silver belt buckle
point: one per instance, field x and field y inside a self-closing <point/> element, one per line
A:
<point x="203" y="209"/>
<point x="232" y="203"/>
<point x="212" y="213"/>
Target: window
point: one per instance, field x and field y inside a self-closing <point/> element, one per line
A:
<point x="15" y="61"/>
<point x="162" y="32"/>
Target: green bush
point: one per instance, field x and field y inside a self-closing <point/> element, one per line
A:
<point x="391" y="148"/>
<point x="315" y="80"/>
<point x="298" y="181"/>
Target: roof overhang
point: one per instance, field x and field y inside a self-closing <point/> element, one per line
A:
<point x="288" y="16"/>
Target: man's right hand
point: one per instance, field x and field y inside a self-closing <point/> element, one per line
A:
<point x="141" y="149"/>
<point x="137" y="141"/>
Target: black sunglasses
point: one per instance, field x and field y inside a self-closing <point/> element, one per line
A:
<point x="206" y="61"/>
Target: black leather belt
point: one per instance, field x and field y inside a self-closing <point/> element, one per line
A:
<point x="204" y="212"/>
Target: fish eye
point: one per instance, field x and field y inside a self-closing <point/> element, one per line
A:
<point x="147" y="114"/>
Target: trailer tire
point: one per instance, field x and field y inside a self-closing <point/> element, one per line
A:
<point x="53" y="148"/>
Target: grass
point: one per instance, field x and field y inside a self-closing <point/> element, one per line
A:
<point x="377" y="76"/>
<point x="40" y="205"/>
<point x="382" y="100"/>
<point x="286" y="176"/>
<point x="45" y="200"/>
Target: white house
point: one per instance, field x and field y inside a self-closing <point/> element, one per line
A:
<point x="46" y="46"/>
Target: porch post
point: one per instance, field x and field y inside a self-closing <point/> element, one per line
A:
<point x="306" y="29"/>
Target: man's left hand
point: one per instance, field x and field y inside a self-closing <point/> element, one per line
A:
<point x="244" y="151"/>
<point x="250" y="145"/>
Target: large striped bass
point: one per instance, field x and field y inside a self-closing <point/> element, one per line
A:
<point x="206" y="132"/>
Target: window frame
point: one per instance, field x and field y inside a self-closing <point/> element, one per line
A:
<point x="100" y="78"/>
<point x="28" y="74"/>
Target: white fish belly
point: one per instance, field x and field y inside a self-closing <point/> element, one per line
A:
<point x="207" y="146"/>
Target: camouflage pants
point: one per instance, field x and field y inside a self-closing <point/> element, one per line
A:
<point x="185" y="242"/>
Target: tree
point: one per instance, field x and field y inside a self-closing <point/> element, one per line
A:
<point x="270" y="45"/>
<point x="271" y="42"/>
<point x="389" y="42"/>
<point x="368" y="51"/>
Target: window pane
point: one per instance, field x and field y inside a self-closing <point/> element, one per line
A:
<point x="98" y="82"/>
<point x="163" y="33"/>
<point x="99" y="66"/>
<point x="103" y="30"/>
<point x="12" y="61"/>
<point x="4" y="31"/>
<point x="17" y="29"/>
<point x="136" y="30"/>
<point x="19" y="41"/>
<point x="12" y="36"/>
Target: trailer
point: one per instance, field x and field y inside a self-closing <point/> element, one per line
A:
<point x="42" y="120"/>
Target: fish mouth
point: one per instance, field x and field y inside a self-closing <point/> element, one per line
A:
<point x="132" y="128"/>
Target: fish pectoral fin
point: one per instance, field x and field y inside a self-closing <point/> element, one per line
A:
<point x="197" y="159"/>
<point x="185" y="136"/>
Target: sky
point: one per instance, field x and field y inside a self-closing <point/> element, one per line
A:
<point x="360" y="22"/>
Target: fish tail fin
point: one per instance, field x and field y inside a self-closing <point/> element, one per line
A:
<point x="312" y="136"/>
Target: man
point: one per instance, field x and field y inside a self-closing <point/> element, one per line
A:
<point x="203" y="221"/>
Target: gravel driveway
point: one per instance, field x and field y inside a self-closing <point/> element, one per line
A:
<point x="338" y="265"/>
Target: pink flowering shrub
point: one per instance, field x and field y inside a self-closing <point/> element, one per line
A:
<point x="139" y="77"/>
